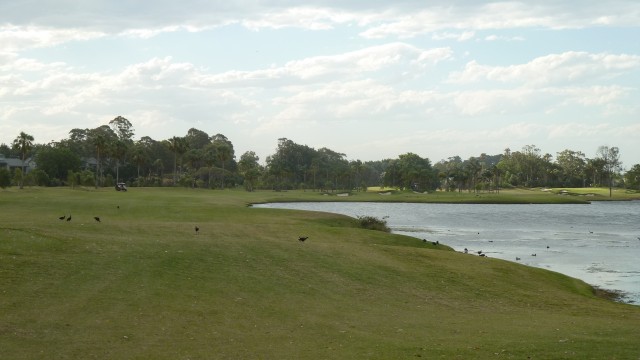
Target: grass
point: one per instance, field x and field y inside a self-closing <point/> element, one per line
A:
<point x="141" y="284"/>
<point x="510" y="196"/>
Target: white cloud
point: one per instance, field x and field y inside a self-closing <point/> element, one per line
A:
<point x="18" y="38"/>
<point x="464" y="36"/>
<point x="503" y="38"/>
<point x="476" y="16"/>
<point x="319" y="68"/>
<point x="566" y="67"/>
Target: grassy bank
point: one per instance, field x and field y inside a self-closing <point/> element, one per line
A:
<point x="142" y="284"/>
<point x="509" y="196"/>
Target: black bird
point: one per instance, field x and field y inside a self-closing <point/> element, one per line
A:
<point x="62" y="217"/>
<point x="302" y="238"/>
<point x="69" y="218"/>
<point x="547" y="246"/>
<point x="434" y="243"/>
<point x="517" y="258"/>
<point x="466" y="250"/>
<point x="197" y="229"/>
<point x="483" y="255"/>
<point x="97" y="218"/>
<point x="534" y="254"/>
<point x="479" y="252"/>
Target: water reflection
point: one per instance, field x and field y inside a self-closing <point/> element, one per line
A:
<point x="598" y="243"/>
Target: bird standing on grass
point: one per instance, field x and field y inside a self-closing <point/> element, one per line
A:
<point x="197" y="230"/>
<point x="62" y="217"/>
<point x="302" y="238"/>
<point x="69" y="218"/>
<point x="97" y="218"/>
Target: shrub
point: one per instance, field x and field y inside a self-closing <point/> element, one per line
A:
<point x="373" y="223"/>
<point x="5" y="178"/>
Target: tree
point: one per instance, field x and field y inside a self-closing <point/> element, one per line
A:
<point x="122" y="128"/>
<point x="23" y="143"/>
<point x="594" y="171"/>
<point x="119" y="150"/>
<point x="250" y="169"/>
<point x="611" y="160"/>
<point x="124" y="132"/>
<point x="632" y="177"/>
<point x="197" y="139"/>
<point x="224" y="153"/>
<point x="572" y="166"/>
<point x="100" y="138"/>
<point x="57" y="161"/>
<point x="5" y="178"/>
<point x="414" y="173"/>
<point x="177" y="145"/>
<point x="139" y="155"/>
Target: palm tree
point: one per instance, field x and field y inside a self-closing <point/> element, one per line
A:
<point x="139" y="155"/>
<point x="23" y="143"/>
<point x="100" y="143"/>
<point x="223" y="154"/>
<point x="178" y="145"/>
<point x="119" y="150"/>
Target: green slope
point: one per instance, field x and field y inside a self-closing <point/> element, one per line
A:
<point x="142" y="284"/>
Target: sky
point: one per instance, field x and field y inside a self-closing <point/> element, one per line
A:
<point x="370" y="79"/>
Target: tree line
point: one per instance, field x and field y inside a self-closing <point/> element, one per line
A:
<point x="108" y="154"/>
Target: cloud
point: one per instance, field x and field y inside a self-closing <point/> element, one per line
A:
<point x="475" y="16"/>
<point x="566" y="67"/>
<point x="39" y="20"/>
<point x="320" y="68"/>
<point x="464" y="36"/>
<point x="18" y="38"/>
<point x="503" y="38"/>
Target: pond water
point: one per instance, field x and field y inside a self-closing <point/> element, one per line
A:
<point x="598" y="243"/>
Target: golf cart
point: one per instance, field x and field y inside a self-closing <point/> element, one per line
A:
<point x="121" y="187"/>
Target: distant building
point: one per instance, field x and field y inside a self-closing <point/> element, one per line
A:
<point x="14" y="163"/>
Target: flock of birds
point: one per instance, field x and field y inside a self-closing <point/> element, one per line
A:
<point x="196" y="228"/>
<point x="64" y="217"/>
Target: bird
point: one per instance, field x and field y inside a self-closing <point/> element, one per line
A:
<point x="97" y="218"/>
<point x="517" y="258"/>
<point x="466" y="250"/>
<point x="547" y="246"/>
<point x="483" y="255"/>
<point x="69" y="218"/>
<point x="62" y="217"/>
<point x="197" y="229"/>
<point x="424" y="240"/>
<point x="479" y="252"/>
<point x="534" y="254"/>
<point x="302" y="238"/>
<point x="434" y="243"/>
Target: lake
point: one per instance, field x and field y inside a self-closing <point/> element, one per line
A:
<point x="598" y="243"/>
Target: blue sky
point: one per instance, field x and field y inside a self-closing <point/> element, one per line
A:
<point x="373" y="81"/>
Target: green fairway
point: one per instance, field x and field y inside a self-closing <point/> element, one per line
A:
<point x="142" y="284"/>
